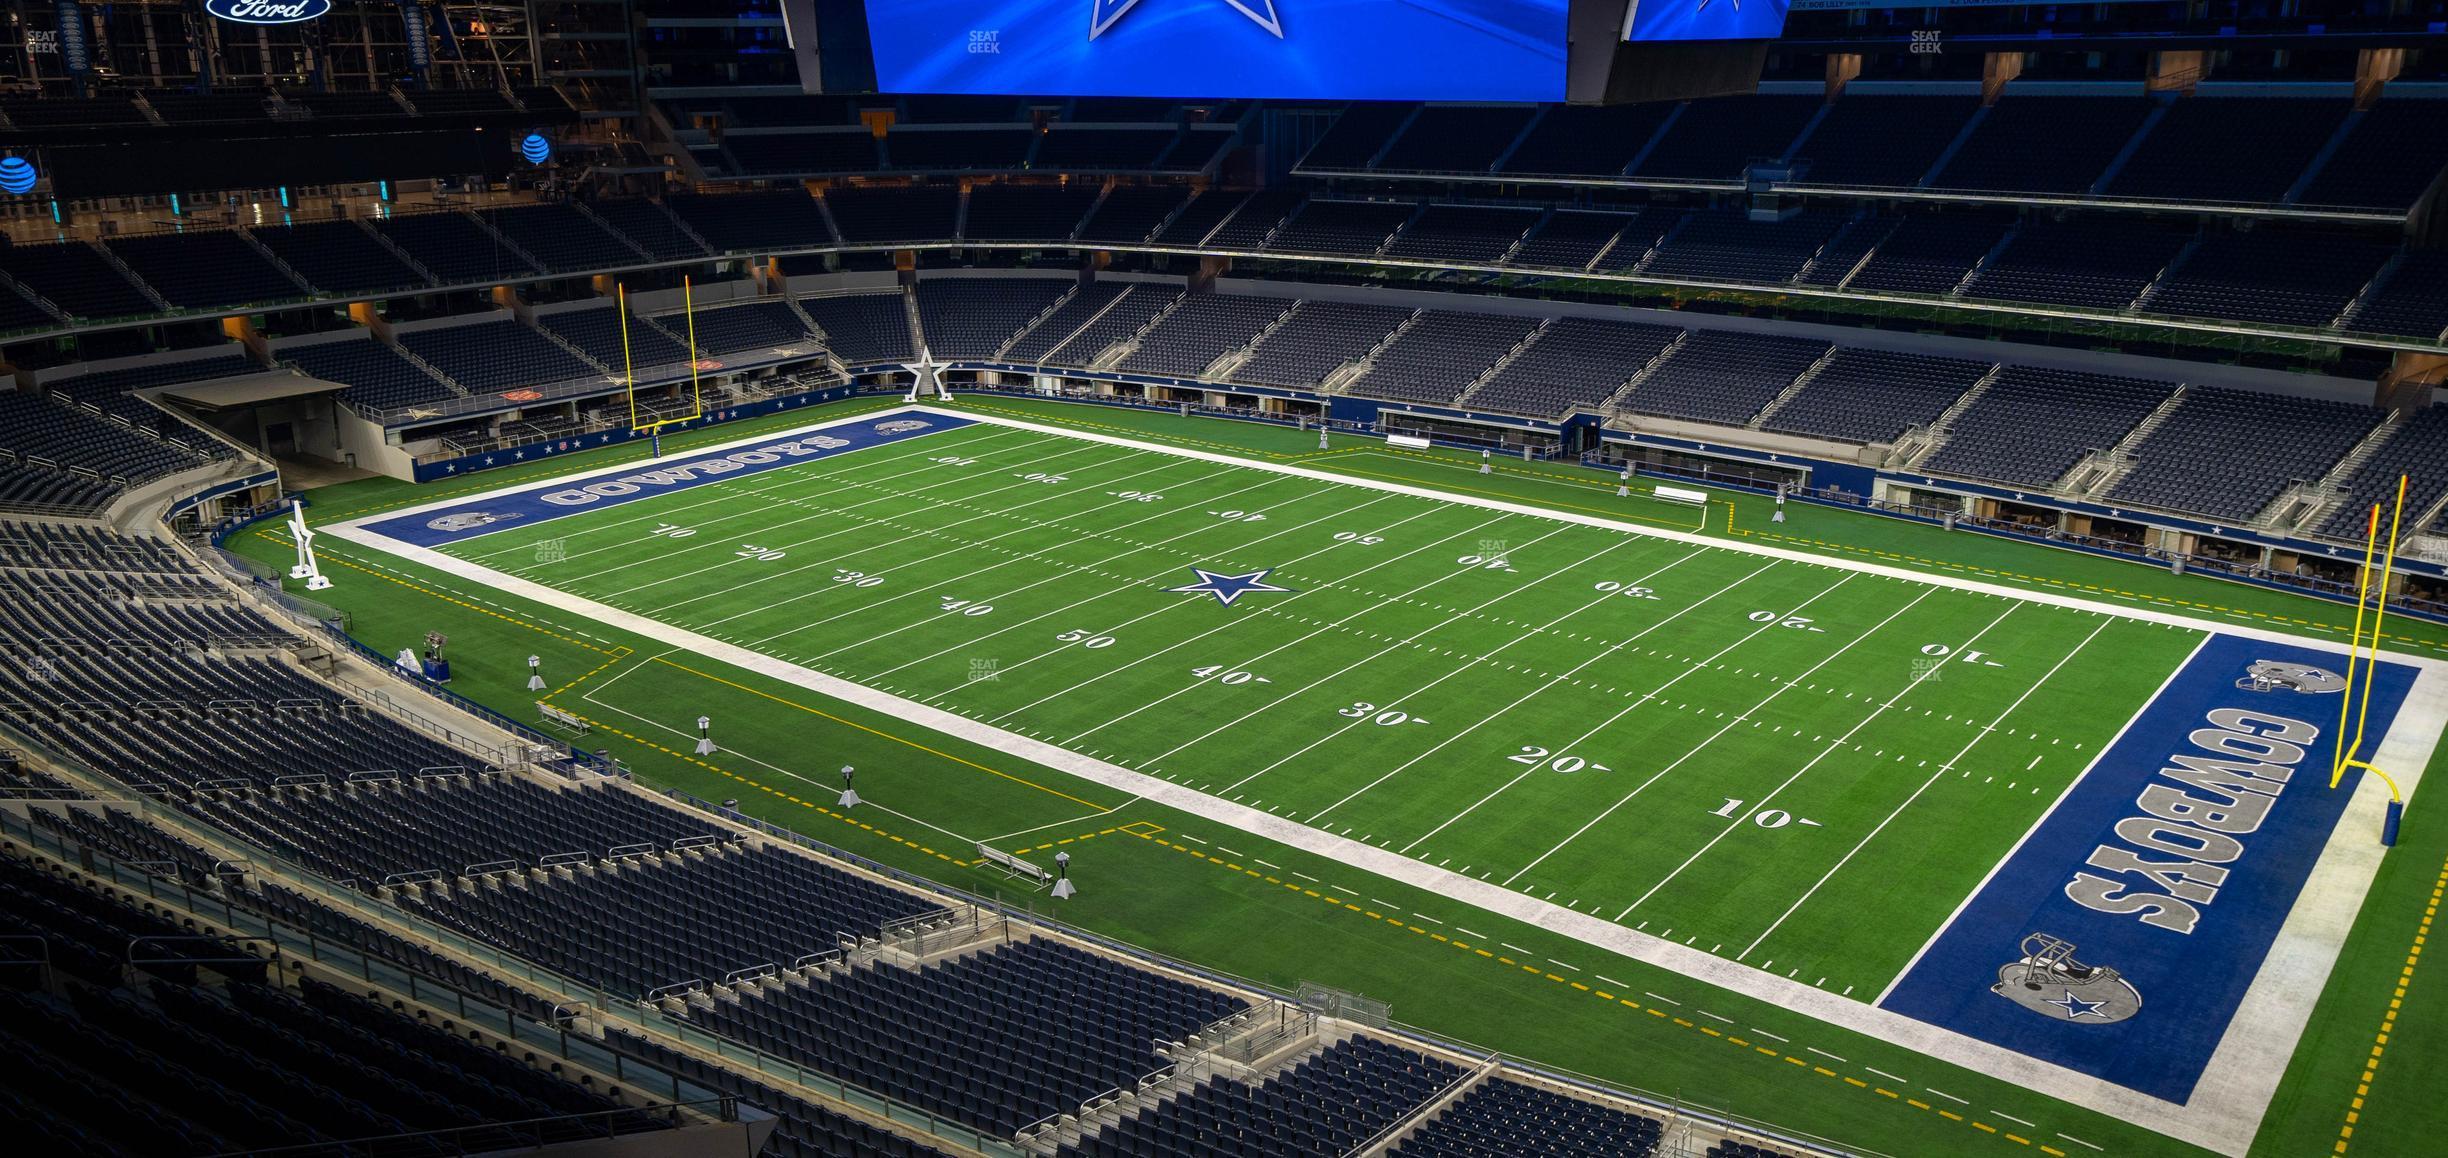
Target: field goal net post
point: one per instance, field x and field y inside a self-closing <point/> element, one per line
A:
<point x="2363" y="659"/>
<point x="654" y="427"/>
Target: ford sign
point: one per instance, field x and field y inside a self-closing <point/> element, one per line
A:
<point x="267" y="11"/>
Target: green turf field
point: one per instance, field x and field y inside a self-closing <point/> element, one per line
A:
<point x="1733" y="752"/>
<point x="1401" y="624"/>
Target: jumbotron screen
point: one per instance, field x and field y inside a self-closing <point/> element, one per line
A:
<point x="1493" y="50"/>
<point x="1654" y="20"/>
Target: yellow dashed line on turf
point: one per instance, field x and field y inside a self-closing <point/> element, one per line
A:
<point x="767" y="789"/>
<point x="1661" y="1015"/>
<point x="2388" y="1020"/>
<point x="819" y="712"/>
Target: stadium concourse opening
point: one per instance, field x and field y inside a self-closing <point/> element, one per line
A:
<point x="1218" y="577"/>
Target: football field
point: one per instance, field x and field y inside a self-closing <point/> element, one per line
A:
<point x="1814" y="772"/>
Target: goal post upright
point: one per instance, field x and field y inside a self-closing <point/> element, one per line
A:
<point x="2364" y="652"/>
<point x="688" y="309"/>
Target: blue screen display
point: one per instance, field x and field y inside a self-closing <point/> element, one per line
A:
<point x="1493" y="50"/>
<point x="1705" y="20"/>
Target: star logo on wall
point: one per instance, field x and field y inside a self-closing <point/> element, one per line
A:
<point x="1227" y="588"/>
<point x="1104" y="14"/>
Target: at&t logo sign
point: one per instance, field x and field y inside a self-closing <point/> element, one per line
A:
<point x="267" y="11"/>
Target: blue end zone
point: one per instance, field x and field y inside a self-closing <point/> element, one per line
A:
<point x="442" y="526"/>
<point x="2190" y="935"/>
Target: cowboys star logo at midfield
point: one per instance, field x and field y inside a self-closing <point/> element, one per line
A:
<point x="1227" y="588"/>
<point x="1102" y="14"/>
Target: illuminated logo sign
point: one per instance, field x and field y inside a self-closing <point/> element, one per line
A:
<point x="1102" y="14"/>
<point x="17" y="175"/>
<point x="536" y="149"/>
<point x="267" y="11"/>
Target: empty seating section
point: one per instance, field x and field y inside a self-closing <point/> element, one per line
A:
<point x="1639" y="237"/>
<point x="973" y="317"/>
<point x="650" y="227"/>
<point x="1026" y="212"/>
<point x="1042" y="338"/>
<point x="646" y="922"/>
<point x="495" y="355"/>
<point x="751" y="326"/>
<point x="1126" y="318"/>
<point x="807" y="1130"/>
<point x="1319" y="338"/>
<point x="910" y="147"/>
<point x="98" y="1065"/>
<point x="2412" y="300"/>
<point x="1441" y="355"/>
<point x="2229" y="453"/>
<point x="1499" y="1118"/>
<point x="376" y="375"/>
<point x="2393" y="153"/>
<point x="1846" y="251"/>
<point x="108" y="390"/>
<point x="2034" y="423"/>
<point x="1715" y="139"/>
<point x="1329" y="1103"/>
<point x="2101" y="265"/>
<point x="1356" y="136"/>
<point x="792" y="154"/>
<point x="1091" y="150"/>
<point x="998" y="1040"/>
<point x="868" y="216"/>
<point x="2416" y="451"/>
<point x="1564" y="240"/>
<point x="1256" y="216"/>
<point x="42" y="488"/>
<point x="1875" y="395"/>
<point x="206" y="268"/>
<point x="66" y="439"/>
<point x="2287" y="279"/>
<point x="1928" y="254"/>
<point x="1203" y="328"/>
<point x="755" y="222"/>
<point x="2043" y="144"/>
<point x="75" y="277"/>
<point x="1462" y="234"/>
<point x="1722" y="377"/>
<point x="368" y="832"/>
<point x="49" y="610"/>
<point x="338" y="257"/>
<point x="1585" y="141"/>
<point x="562" y="238"/>
<point x="1726" y="245"/>
<point x="597" y="330"/>
<point x="2216" y="149"/>
<point x="1192" y="223"/>
<point x="1573" y="362"/>
<point x="863" y="328"/>
<point x="19" y="312"/>
<point x="1130" y="213"/>
<point x="1881" y="141"/>
<point x="454" y="247"/>
<point x="1455" y="138"/>
<point x="1341" y="227"/>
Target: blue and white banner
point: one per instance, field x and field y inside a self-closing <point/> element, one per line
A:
<point x="412" y="29"/>
<point x="2165" y="874"/>
<point x="1495" y="50"/>
<point x="506" y="510"/>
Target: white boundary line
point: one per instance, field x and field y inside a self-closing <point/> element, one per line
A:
<point x="2227" y="1104"/>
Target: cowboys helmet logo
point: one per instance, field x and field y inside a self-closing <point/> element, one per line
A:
<point x="901" y="426"/>
<point x="2048" y="981"/>
<point x="467" y="521"/>
<point x="2270" y="675"/>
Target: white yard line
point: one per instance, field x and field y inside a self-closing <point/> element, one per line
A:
<point x="1701" y="665"/>
<point x="1950" y="763"/>
<point x="1568" y="674"/>
<point x="1834" y="746"/>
